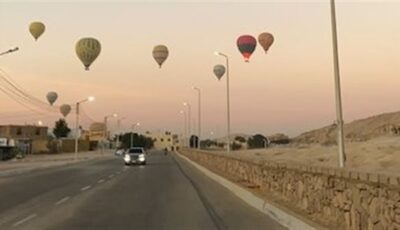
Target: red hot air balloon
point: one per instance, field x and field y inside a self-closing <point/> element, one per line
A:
<point x="246" y="44"/>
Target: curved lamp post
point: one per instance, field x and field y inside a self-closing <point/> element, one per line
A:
<point x="228" y="115"/>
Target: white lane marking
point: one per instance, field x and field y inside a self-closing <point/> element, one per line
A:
<point x="85" y="188"/>
<point x="25" y="220"/>
<point x="111" y="176"/>
<point x="62" y="200"/>
<point x="100" y="181"/>
<point x="118" y="172"/>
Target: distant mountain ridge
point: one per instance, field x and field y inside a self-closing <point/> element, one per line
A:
<point x="387" y="124"/>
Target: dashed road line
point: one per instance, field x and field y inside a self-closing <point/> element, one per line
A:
<point x="111" y="176"/>
<point x="85" y="188"/>
<point x="100" y="181"/>
<point x="62" y="200"/>
<point x="118" y="172"/>
<point x="25" y="220"/>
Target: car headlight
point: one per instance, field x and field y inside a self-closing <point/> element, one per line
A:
<point x="127" y="158"/>
<point x="141" y="157"/>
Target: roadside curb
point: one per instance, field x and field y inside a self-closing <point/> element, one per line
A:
<point x="282" y="215"/>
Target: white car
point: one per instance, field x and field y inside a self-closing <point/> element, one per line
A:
<point x="135" y="155"/>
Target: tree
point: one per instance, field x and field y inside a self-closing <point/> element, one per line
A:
<point x="207" y="143"/>
<point x="256" y="141"/>
<point x="240" y="139"/>
<point x="138" y="141"/>
<point x="61" y="129"/>
<point x="193" y="141"/>
<point x="236" y="146"/>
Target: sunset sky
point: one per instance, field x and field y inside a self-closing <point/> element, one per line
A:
<point x="289" y="90"/>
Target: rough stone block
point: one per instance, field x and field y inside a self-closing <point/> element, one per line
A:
<point x="394" y="180"/>
<point x="383" y="179"/>
<point x="374" y="178"/>
<point x="354" y="175"/>
<point x="363" y="176"/>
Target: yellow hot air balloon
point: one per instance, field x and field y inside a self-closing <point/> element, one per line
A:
<point x="36" y="29"/>
<point x="160" y="54"/>
<point x="87" y="49"/>
<point x="266" y="40"/>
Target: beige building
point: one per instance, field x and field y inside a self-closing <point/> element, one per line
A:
<point x="164" y="140"/>
<point x="29" y="138"/>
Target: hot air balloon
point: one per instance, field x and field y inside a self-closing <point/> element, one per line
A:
<point x="87" y="49"/>
<point x="265" y="40"/>
<point x="51" y="97"/>
<point x="36" y="29"/>
<point x="160" y="54"/>
<point x="219" y="71"/>
<point x="247" y="45"/>
<point x="65" y="109"/>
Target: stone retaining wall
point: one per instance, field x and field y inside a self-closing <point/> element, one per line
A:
<point x="338" y="198"/>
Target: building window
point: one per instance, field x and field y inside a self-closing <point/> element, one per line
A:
<point x="169" y="139"/>
<point x="37" y="131"/>
<point x="19" y="131"/>
<point x="162" y="140"/>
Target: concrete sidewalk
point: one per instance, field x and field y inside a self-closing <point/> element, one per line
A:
<point x="40" y="161"/>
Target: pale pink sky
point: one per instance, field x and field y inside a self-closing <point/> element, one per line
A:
<point x="288" y="90"/>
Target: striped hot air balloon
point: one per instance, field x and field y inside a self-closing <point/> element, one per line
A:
<point x="160" y="54"/>
<point x="246" y="45"/>
<point x="87" y="49"/>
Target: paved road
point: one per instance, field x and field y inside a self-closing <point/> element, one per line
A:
<point x="168" y="193"/>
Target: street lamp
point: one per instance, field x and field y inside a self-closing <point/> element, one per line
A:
<point x="105" y="125"/>
<point x="199" y="116"/>
<point x="118" y="129"/>
<point x="265" y="142"/>
<point x="9" y="51"/>
<point x="77" y="123"/>
<point x="228" y="115"/>
<point x="133" y="127"/>
<point x="339" y="113"/>
<point x="184" y="127"/>
<point x="189" y="120"/>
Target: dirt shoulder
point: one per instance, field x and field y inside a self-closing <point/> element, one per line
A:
<point x="380" y="155"/>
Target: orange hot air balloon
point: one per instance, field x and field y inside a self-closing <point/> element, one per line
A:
<point x="246" y="45"/>
<point x="265" y="40"/>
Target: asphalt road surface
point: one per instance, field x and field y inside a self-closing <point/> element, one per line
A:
<point x="167" y="193"/>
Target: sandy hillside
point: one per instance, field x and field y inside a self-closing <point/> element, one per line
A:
<point x="387" y="124"/>
<point x="376" y="155"/>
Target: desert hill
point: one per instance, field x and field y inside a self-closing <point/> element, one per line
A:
<point x="387" y="124"/>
